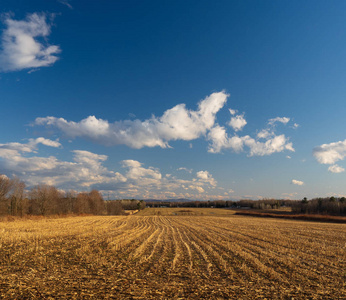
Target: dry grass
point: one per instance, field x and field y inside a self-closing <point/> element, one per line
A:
<point x="292" y="216"/>
<point x="178" y="211"/>
<point x="172" y="256"/>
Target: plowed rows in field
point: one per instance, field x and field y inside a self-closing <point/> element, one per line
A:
<point x="171" y="257"/>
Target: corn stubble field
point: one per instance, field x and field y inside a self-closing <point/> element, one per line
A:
<point x="172" y="254"/>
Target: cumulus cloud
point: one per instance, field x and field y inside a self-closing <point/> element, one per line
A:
<point x="220" y="140"/>
<point x="237" y="122"/>
<point x="276" y="144"/>
<point x="267" y="141"/>
<point x="205" y="176"/>
<point x="20" y="46"/>
<point x="330" y="153"/>
<point x="264" y="134"/>
<point x="297" y="182"/>
<point x="336" y="169"/>
<point x="140" y="176"/>
<point x="177" y="123"/>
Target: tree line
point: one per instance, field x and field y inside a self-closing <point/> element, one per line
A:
<point x="46" y="200"/>
<point x="255" y="204"/>
<point x="328" y="205"/>
<point x="16" y="200"/>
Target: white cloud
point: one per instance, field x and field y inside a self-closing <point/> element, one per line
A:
<point x="45" y="142"/>
<point x="177" y="123"/>
<point x="220" y="140"/>
<point x="297" y="182"/>
<point x="66" y="2"/>
<point x="336" y="169"/>
<point x="140" y="175"/>
<point x="237" y="122"/>
<point x="20" y="47"/>
<point x="197" y="188"/>
<point x="273" y="143"/>
<point x="31" y="146"/>
<point x="87" y="170"/>
<point x="185" y="169"/>
<point x="276" y="144"/>
<point x="232" y="111"/>
<point x="330" y="153"/>
<point x="283" y="120"/>
<point x="205" y="176"/>
<point x="264" y="134"/>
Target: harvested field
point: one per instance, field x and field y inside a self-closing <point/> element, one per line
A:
<point x="201" y="256"/>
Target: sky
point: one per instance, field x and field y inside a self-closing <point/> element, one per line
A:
<point x="203" y="100"/>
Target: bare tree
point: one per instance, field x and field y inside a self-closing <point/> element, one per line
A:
<point x="5" y="188"/>
<point x="96" y="203"/>
<point x="114" y="207"/>
<point x="17" y="199"/>
<point x="44" y="200"/>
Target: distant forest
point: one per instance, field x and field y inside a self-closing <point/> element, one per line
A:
<point x="45" y="200"/>
<point x="332" y="205"/>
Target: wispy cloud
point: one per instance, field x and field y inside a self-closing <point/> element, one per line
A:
<point x="20" y="46"/>
<point x="336" y="169"/>
<point x="283" y="120"/>
<point x="185" y="169"/>
<point x="31" y="146"/>
<point x="66" y="3"/>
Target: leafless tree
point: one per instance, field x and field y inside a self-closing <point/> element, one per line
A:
<point x="5" y="188"/>
<point x="18" y="203"/>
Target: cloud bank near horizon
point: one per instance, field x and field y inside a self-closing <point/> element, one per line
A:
<point x="87" y="171"/>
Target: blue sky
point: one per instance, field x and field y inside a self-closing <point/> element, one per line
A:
<point x="175" y="99"/>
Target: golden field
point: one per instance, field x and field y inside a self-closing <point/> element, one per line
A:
<point x="172" y="254"/>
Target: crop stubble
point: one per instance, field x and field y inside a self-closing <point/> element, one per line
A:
<point x="171" y="257"/>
